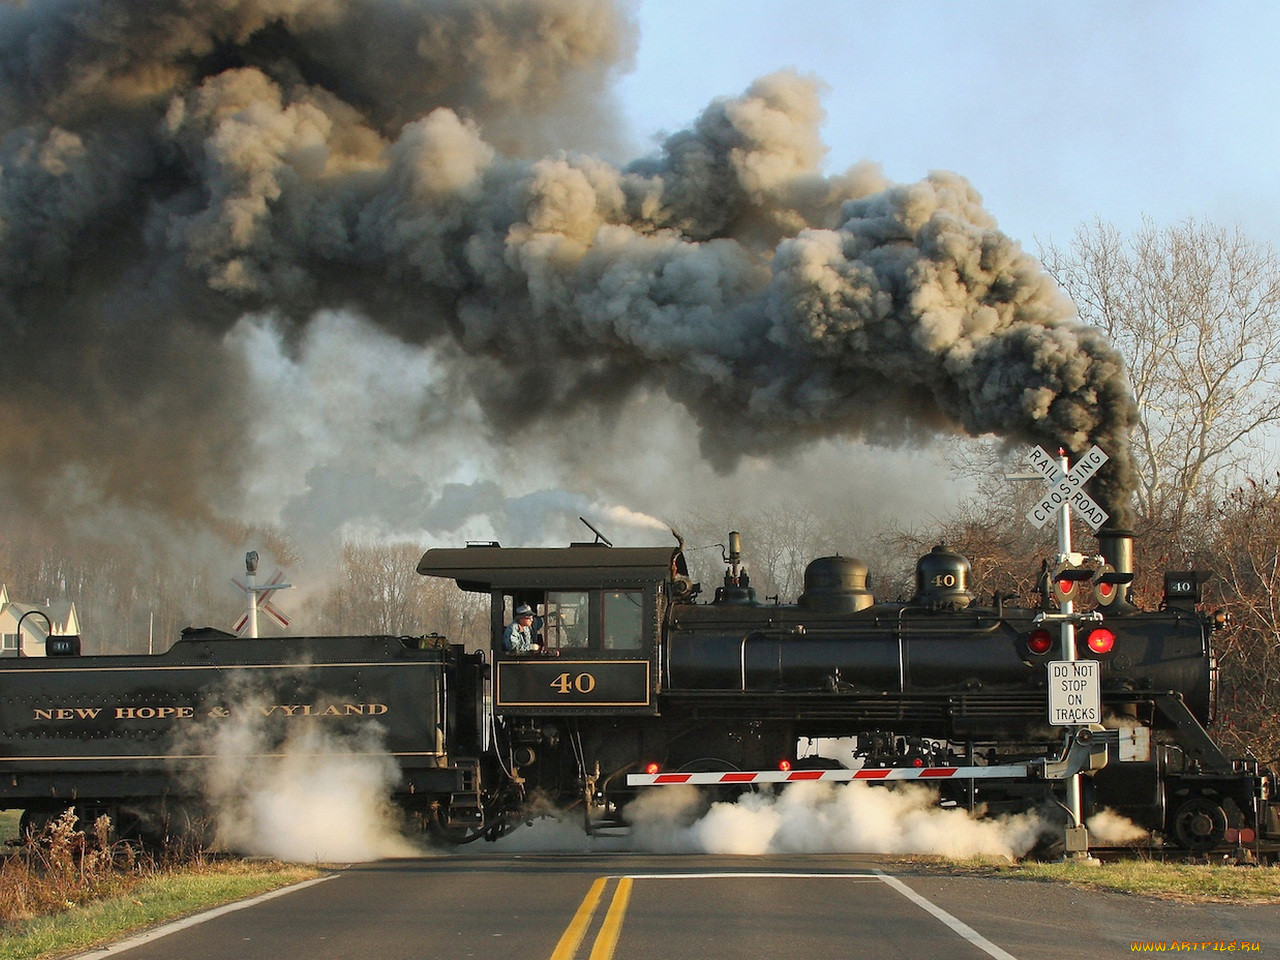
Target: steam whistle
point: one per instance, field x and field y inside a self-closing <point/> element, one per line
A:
<point x="736" y="589"/>
<point x="734" y="559"/>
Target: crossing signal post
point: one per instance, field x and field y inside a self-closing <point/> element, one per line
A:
<point x="259" y="598"/>
<point x="1066" y="574"/>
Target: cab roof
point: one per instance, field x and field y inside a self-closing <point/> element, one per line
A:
<point x="485" y="567"/>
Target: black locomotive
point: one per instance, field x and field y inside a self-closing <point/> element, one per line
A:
<point x="637" y="681"/>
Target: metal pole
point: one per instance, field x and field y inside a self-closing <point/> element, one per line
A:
<point x="250" y="576"/>
<point x="1066" y="608"/>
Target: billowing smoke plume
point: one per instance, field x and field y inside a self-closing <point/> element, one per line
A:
<point x="167" y="166"/>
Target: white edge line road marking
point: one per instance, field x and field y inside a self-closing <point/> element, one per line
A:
<point x="966" y="931"/>
<point x="163" y="931"/>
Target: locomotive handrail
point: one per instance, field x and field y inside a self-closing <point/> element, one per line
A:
<point x="18" y="629"/>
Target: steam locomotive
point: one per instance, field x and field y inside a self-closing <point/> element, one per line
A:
<point x="637" y="682"/>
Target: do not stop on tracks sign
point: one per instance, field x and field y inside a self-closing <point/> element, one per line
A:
<point x="1075" y="692"/>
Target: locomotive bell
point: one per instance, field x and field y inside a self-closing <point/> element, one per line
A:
<point x="942" y="580"/>
<point x="836" y="585"/>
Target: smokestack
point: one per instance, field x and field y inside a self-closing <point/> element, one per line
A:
<point x="1116" y="547"/>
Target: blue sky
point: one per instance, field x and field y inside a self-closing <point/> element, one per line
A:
<point x="1057" y="113"/>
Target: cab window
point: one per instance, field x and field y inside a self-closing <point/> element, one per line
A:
<point x="567" y="619"/>
<point x="623" y="619"/>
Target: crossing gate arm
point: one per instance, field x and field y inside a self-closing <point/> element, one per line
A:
<point x="877" y="774"/>
<point x="1085" y="751"/>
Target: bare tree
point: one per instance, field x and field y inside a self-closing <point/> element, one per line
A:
<point x="1195" y="311"/>
<point x="1245" y="552"/>
<point x="380" y="591"/>
<point x="376" y="591"/>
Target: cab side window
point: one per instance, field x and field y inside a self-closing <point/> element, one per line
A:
<point x="623" y="619"/>
<point x="568" y="619"/>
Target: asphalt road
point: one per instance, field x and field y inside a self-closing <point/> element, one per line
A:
<point x="644" y="907"/>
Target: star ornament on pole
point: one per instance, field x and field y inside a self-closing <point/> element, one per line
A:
<point x="258" y="598"/>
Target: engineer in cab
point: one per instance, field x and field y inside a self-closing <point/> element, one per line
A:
<point x="519" y="636"/>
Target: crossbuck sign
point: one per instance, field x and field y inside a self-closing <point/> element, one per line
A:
<point x="262" y="599"/>
<point x="1068" y="488"/>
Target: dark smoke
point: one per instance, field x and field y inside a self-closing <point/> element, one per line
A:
<point x="167" y="167"/>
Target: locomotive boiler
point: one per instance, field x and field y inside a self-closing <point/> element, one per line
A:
<point x="640" y="680"/>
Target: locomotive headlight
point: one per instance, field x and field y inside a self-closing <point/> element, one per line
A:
<point x="1101" y="640"/>
<point x="1040" y="642"/>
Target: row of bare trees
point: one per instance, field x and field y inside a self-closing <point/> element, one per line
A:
<point x="378" y="590"/>
<point x="129" y="603"/>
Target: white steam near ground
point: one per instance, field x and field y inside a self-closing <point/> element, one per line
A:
<point x="811" y="818"/>
<point x="313" y="795"/>
<point x="320" y="799"/>
<point x="321" y="796"/>
<point x="821" y="818"/>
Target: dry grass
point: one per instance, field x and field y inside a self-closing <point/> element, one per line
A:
<point x="1196" y="882"/>
<point x="67" y="866"/>
<point x="73" y="889"/>
<point x="1139" y="875"/>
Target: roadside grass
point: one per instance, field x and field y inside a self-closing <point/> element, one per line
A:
<point x="1198" y="882"/>
<point x="8" y="826"/>
<point x="161" y="897"/>
<point x="74" y="889"/>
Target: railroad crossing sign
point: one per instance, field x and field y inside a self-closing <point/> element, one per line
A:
<point x="1068" y="488"/>
<point x="262" y="600"/>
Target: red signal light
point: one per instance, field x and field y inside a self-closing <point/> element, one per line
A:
<point x="917" y="763"/>
<point x="1101" y="640"/>
<point x="1105" y="590"/>
<point x="784" y="766"/>
<point x="1040" y="642"/>
<point x="651" y="768"/>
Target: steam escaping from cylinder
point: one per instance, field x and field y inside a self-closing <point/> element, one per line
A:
<point x="171" y="167"/>
<point x="312" y="796"/>
<point x="828" y="818"/>
<point x="808" y="818"/>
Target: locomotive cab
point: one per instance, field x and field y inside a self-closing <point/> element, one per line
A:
<point x="597" y="614"/>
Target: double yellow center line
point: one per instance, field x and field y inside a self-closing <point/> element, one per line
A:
<point x="607" y="937"/>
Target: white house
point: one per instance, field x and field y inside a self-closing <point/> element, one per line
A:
<point x="62" y="620"/>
